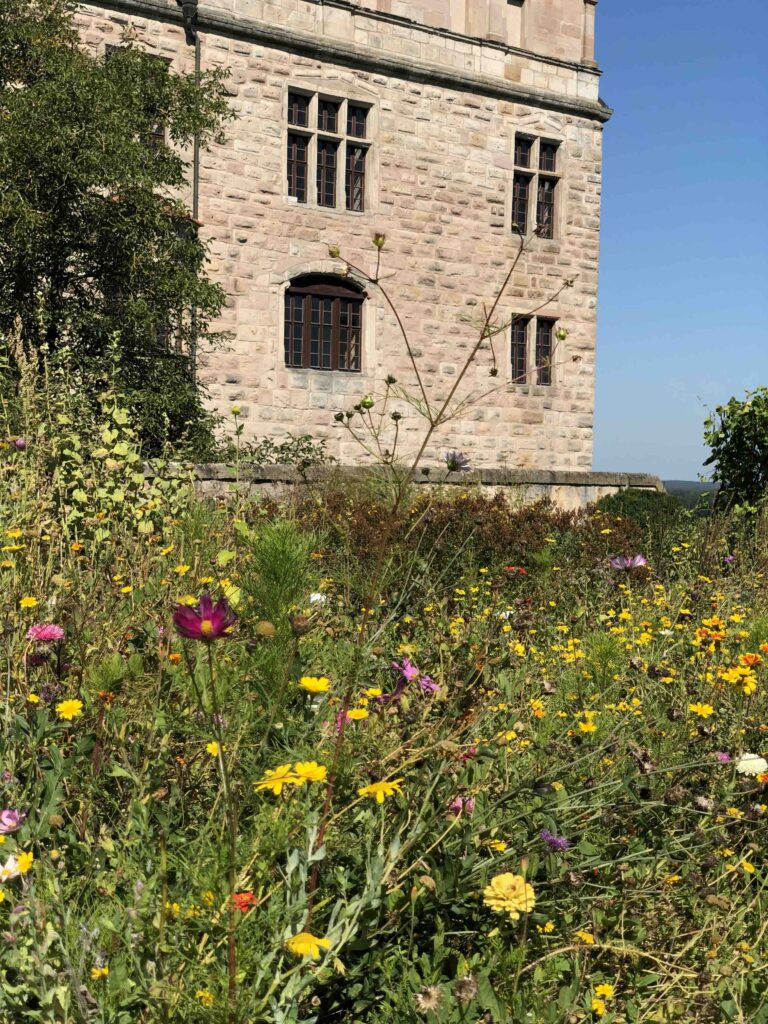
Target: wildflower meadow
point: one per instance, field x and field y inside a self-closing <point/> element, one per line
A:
<point x="324" y="758"/>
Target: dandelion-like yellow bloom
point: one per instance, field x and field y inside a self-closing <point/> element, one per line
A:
<point x="69" y="709"/>
<point x="309" y="771"/>
<point x="357" y="714"/>
<point x="598" y="1007"/>
<point x="28" y="602"/>
<point x="99" y="972"/>
<point x="510" y="894"/>
<point x="605" y="991"/>
<point x="204" y="997"/>
<point x="212" y="748"/>
<point x="702" y="710"/>
<point x="24" y="862"/>
<point x="315" y="684"/>
<point x="276" y="778"/>
<point x="306" y="944"/>
<point x="380" y="790"/>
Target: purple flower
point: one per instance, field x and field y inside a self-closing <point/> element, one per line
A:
<point x="558" y="844"/>
<point x="45" y="633"/>
<point x="10" y="821"/>
<point x="20" y="443"/>
<point x="626" y="563"/>
<point x="410" y="673"/>
<point x="729" y="559"/>
<point x="722" y="756"/>
<point x="462" y="805"/>
<point x="206" y="622"/>
<point x="408" y="669"/>
<point x="456" y="462"/>
<point x="428" y="684"/>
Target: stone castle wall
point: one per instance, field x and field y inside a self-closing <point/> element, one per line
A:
<point x="445" y="107"/>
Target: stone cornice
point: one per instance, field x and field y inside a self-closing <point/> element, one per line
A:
<point x="361" y="57"/>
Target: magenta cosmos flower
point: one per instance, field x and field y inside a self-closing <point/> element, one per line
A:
<point x="45" y="633"/>
<point x="625" y="563"/>
<point x="207" y="621"/>
<point x="10" y="821"/>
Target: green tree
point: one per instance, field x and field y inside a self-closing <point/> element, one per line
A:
<point x="99" y="258"/>
<point x="737" y="433"/>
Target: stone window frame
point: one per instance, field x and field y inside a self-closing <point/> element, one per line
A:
<point x="315" y="91"/>
<point x="551" y="377"/>
<point x="339" y="381"/>
<point x="533" y="173"/>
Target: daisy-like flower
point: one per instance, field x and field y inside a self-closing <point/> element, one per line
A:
<point x="315" y="684"/>
<point x="28" y="602"/>
<point x="558" y="844"/>
<point x="206" y="622"/>
<point x="45" y="633"/>
<point x="751" y="764"/>
<point x="307" y="944"/>
<point x="605" y="991"/>
<point x="98" y="973"/>
<point x="309" y="771"/>
<point x="276" y="778"/>
<point x="11" y="821"/>
<point x="69" y="709"/>
<point x="510" y="894"/>
<point x="356" y="714"/>
<point x="456" y="462"/>
<point x="381" y="790"/>
<point x="16" y="866"/>
<point x="626" y="563"/>
<point x="213" y="748"/>
<point x="702" y="710"/>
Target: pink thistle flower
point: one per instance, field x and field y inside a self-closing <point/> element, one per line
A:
<point x="45" y="633"/>
<point x="207" y="621"/>
<point x="625" y="563"/>
<point x="462" y="805"/>
<point x="10" y="821"/>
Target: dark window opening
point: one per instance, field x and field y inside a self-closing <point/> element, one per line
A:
<point x="520" y="350"/>
<point x="548" y="157"/>
<point x="328" y="115"/>
<point x="355" y="178"/>
<point x="298" y="110"/>
<point x="357" y="118"/>
<point x="545" y="330"/>
<point x="298" y="146"/>
<point x="326" y="172"/>
<point x="545" y="208"/>
<point x="520" y="193"/>
<point x="523" y="151"/>
<point x="323" y="324"/>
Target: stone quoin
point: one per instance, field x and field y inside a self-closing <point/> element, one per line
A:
<point x="449" y="126"/>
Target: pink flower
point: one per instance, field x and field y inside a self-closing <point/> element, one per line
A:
<point x="45" y="633"/>
<point x="462" y="805"/>
<point x="10" y="821"/>
<point x="206" y="622"/>
<point x="408" y="669"/>
<point x="628" y="563"/>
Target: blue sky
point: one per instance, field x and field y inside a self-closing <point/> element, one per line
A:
<point x="683" y="311"/>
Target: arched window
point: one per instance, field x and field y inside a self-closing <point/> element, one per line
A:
<point x="324" y="323"/>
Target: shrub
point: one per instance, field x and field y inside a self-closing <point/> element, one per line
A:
<point x="737" y="433"/>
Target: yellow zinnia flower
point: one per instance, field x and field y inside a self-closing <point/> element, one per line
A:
<point x="69" y="709"/>
<point x="380" y="790"/>
<point x="510" y="894"/>
<point x="309" y="771"/>
<point x="276" y="778"/>
<point x="306" y="944"/>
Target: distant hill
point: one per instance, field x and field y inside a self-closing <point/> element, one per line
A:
<point x="689" y="492"/>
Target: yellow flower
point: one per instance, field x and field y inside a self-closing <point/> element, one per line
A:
<point x="32" y="698"/>
<point x="69" y="709"/>
<point x="28" y="602"/>
<point x="598" y="1007"/>
<point x="276" y="778"/>
<point x="13" y="533"/>
<point x="204" y="997"/>
<point x="306" y="944"/>
<point x="748" y="867"/>
<point x="605" y="991"/>
<point x="357" y="714"/>
<point x="187" y="599"/>
<point x="126" y="590"/>
<point x="309" y="771"/>
<point x="208" y="898"/>
<point x="182" y="570"/>
<point x="586" y="938"/>
<point x="373" y="691"/>
<point x="212" y="748"/>
<point x="315" y="684"/>
<point x="702" y="710"/>
<point x="587" y="726"/>
<point x="510" y="894"/>
<point x="498" y="845"/>
<point x="381" y="789"/>
<point x="99" y="972"/>
<point x="24" y="862"/>
<point x="2" y="895"/>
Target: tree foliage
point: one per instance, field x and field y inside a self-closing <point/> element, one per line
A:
<point x="98" y="254"/>
<point x="737" y="433"/>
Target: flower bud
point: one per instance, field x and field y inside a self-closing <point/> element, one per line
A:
<point x="265" y="628"/>
<point x="379" y="239"/>
<point x="561" y="334"/>
<point x="334" y="251"/>
<point x="367" y="402"/>
<point x="339" y="417"/>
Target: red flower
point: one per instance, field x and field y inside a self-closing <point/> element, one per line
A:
<point x="516" y="568"/>
<point x="243" y="901"/>
<point x="206" y="622"/>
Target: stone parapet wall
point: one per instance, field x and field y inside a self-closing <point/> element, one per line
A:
<point x="570" y="490"/>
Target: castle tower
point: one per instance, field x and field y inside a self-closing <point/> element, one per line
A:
<point x="450" y="126"/>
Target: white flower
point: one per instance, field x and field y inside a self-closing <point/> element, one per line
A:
<point x="317" y="598"/>
<point x="9" y="870"/>
<point x="751" y="764"/>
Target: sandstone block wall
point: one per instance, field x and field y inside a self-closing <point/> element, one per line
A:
<point x="445" y="107"/>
